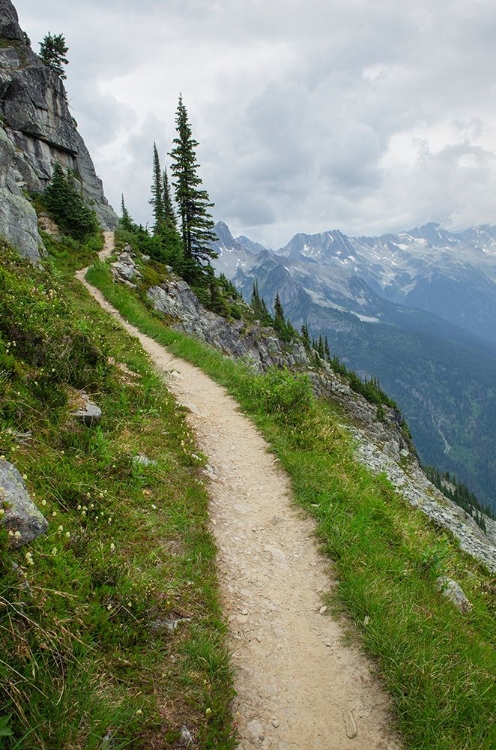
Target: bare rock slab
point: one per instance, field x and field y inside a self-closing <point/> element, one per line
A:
<point x="89" y="413"/>
<point x="20" y="515"/>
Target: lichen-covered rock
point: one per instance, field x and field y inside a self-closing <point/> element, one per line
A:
<point x="37" y="121"/>
<point x="454" y="592"/>
<point x="89" y="414"/>
<point x="20" y="516"/>
<point x="124" y="269"/>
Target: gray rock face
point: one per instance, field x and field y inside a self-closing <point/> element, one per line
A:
<point x="38" y="124"/>
<point x="18" y="221"/>
<point x="20" y="515"/>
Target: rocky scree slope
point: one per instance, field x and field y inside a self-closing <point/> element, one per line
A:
<point x="36" y="130"/>
<point x="382" y="444"/>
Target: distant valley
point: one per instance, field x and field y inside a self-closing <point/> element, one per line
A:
<point x="416" y="310"/>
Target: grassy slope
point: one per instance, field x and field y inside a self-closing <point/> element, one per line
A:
<point x="438" y="664"/>
<point x="85" y="652"/>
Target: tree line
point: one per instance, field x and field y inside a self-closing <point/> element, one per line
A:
<point x="183" y="228"/>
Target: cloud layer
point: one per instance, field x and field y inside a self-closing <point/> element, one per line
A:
<point x="311" y="115"/>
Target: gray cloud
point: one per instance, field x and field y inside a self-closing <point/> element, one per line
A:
<point x="365" y="116"/>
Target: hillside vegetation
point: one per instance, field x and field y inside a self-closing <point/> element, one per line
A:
<point x="438" y="663"/>
<point x="111" y="634"/>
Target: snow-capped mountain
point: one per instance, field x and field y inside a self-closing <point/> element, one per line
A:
<point x="416" y="309"/>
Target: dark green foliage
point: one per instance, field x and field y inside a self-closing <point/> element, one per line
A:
<point x="170" y="216"/>
<point x="157" y="190"/>
<point x="65" y="203"/>
<point x="53" y="50"/>
<point x="259" y="307"/>
<point x="126" y="223"/>
<point x="460" y="494"/>
<point x="305" y="337"/>
<point x="168" y="247"/>
<point x="282" y="327"/>
<point x="197" y="225"/>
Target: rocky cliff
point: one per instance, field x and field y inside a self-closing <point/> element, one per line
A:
<point x="36" y="130"/>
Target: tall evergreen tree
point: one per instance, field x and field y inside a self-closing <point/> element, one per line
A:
<point x="197" y="225"/>
<point x="281" y="326"/>
<point x="53" y="51"/>
<point x="327" y="351"/>
<point x="169" y="212"/>
<point x="157" y="189"/>
<point x="126" y="221"/>
<point x="259" y="307"/>
<point x="305" y="337"/>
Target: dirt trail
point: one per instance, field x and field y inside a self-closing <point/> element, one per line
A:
<point x="297" y="685"/>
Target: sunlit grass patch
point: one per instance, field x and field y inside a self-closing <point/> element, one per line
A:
<point x="110" y="627"/>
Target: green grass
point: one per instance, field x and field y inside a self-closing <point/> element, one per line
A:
<point x="438" y="664"/>
<point x="85" y="651"/>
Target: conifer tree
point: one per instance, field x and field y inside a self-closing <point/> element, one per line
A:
<point x="305" y="337"/>
<point x="53" y="51"/>
<point x="169" y="212"/>
<point x="282" y="328"/>
<point x="66" y="205"/>
<point x="327" y="351"/>
<point x="157" y="189"/>
<point x="259" y="307"/>
<point x="320" y="347"/>
<point x="126" y="221"/>
<point x="197" y="225"/>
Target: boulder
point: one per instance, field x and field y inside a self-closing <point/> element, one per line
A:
<point x="89" y="414"/>
<point x="454" y="592"/>
<point x="20" y="515"/>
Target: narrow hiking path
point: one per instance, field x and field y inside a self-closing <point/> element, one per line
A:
<point x="297" y="685"/>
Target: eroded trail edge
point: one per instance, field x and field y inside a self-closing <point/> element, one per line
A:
<point x="297" y="685"/>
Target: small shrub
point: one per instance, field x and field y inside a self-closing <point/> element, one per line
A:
<point x="279" y="392"/>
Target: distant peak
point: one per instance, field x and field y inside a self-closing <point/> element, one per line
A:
<point x="224" y="233"/>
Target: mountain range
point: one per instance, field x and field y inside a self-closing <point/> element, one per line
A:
<point x="417" y="310"/>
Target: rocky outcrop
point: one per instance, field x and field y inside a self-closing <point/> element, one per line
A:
<point x="257" y="345"/>
<point x="18" y="513"/>
<point x="124" y="269"/>
<point x="38" y="124"/>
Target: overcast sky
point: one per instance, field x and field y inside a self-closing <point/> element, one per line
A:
<point x="367" y="116"/>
